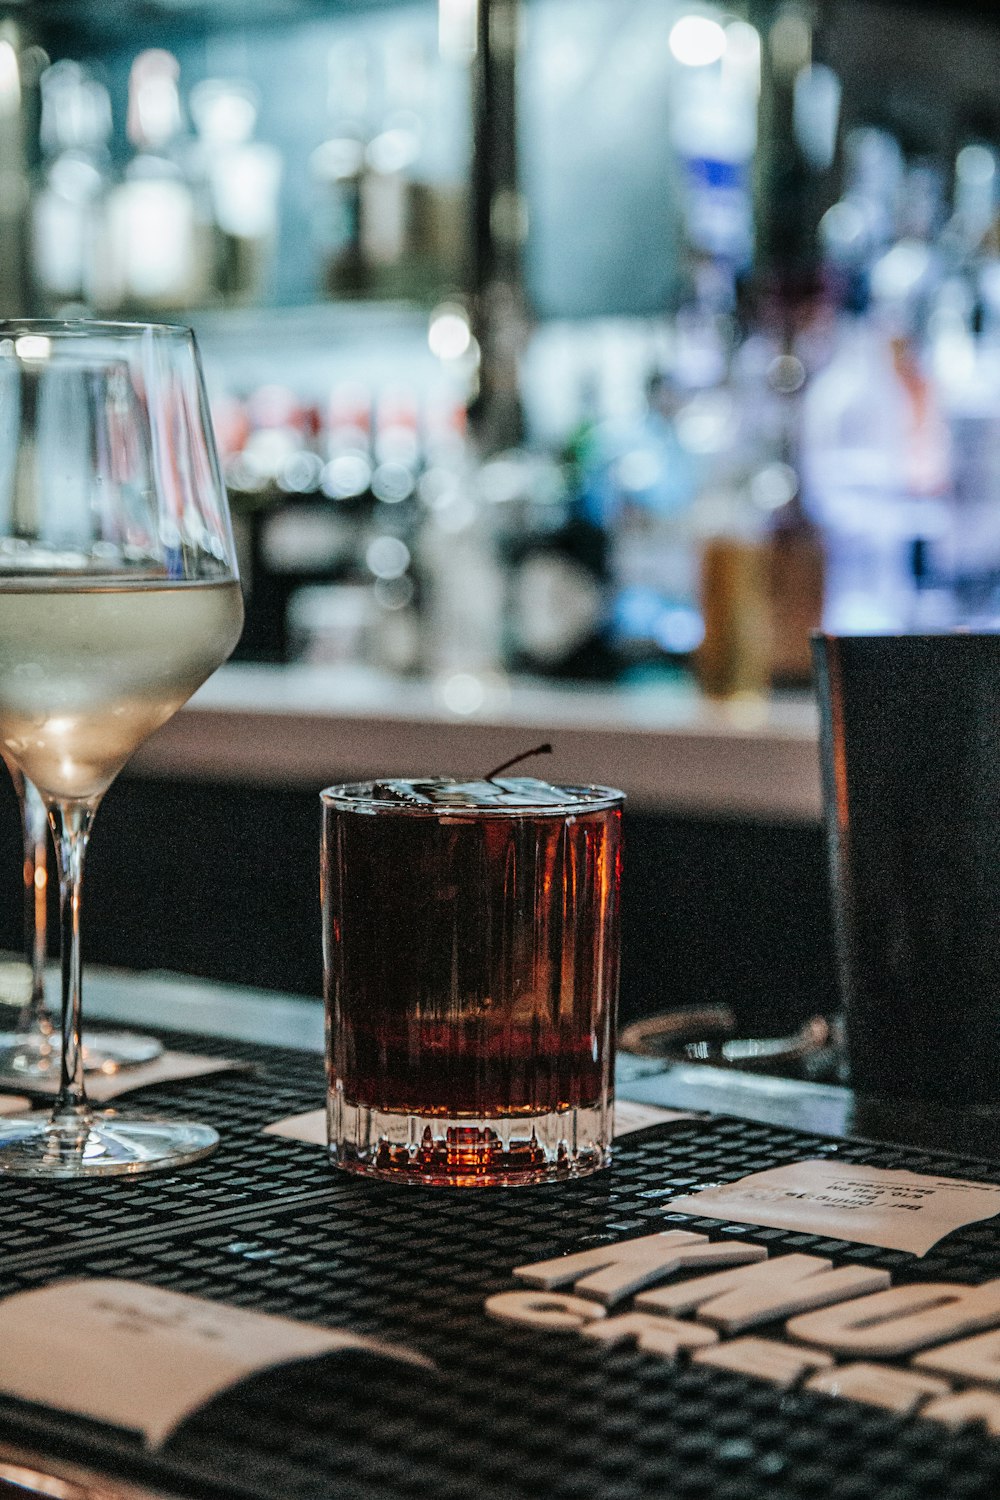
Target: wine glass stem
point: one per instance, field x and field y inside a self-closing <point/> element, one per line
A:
<point x="34" y="827"/>
<point x="70" y="823"/>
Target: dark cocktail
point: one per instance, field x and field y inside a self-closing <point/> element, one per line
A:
<point x="471" y="961"/>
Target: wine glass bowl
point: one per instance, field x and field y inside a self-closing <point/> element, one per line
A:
<point x="119" y="596"/>
<point x="118" y="593"/>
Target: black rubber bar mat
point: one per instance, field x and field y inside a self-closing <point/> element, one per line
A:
<point x="510" y="1413"/>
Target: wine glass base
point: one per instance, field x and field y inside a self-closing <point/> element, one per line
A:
<point x="28" y="1058"/>
<point x="109" y="1144"/>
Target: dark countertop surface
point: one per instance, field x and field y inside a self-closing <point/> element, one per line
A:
<point x="187" y="1004"/>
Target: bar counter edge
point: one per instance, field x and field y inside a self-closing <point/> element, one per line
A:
<point x="666" y="746"/>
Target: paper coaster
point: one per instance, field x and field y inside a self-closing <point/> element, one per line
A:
<point x="841" y="1201"/>
<point x="169" y="1067"/>
<point x="311" y="1126"/>
<point x="145" y="1358"/>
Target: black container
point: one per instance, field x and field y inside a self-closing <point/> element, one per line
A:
<point x="910" y="749"/>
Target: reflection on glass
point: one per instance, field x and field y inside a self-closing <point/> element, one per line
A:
<point x="118" y="597"/>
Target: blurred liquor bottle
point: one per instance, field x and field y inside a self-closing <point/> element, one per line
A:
<point x="312" y="535"/>
<point x="555" y="559"/>
<point x="796" y="584"/>
<point x="643" y="491"/>
<point x="457" y="552"/>
<point x="272" y="471"/>
<point x="333" y="510"/>
<point x="69" y="204"/>
<point x="762" y="557"/>
<point x="388" y="220"/>
<point x="964" y="363"/>
<point x="392" y="561"/>
<point x="338" y="167"/>
<point x="795" y="544"/>
<point x="733" y="659"/>
<point x="22" y="61"/>
<point x="156" y="253"/>
<point x="412" y="214"/>
<point x="237" y="180"/>
<point x="391" y="206"/>
<point x="876" y="448"/>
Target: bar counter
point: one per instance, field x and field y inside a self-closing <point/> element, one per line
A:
<point x="508" y="1410"/>
<point x="274" y="1019"/>
<point x="666" y="746"/>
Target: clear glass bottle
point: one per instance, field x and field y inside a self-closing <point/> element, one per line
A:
<point x="69" y="207"/>
<point x="644" y="479"/>
<point x="876" y="450"/>
<point x="152" y="211"/>
<point x="392" y="556"/>
<point x="775" y="381"/>
<point x="555" y="557"/>
<point x="241" y="180"/>
<point x="733" y="660"/>
<point x="338" y="167"/>
<point x="457" y="556"/>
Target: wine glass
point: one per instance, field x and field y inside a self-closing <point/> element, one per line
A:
<point x="119" y="595"/>
<point x="30" y="1053"/>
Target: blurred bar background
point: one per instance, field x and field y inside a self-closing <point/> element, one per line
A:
<point x="576" y="354"/>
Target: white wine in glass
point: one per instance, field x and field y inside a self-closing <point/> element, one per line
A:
<point x="119" y="596"/>
<point x="89" y="670"/>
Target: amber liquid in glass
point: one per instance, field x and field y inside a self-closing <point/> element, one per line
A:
<point x="472" y="970"/>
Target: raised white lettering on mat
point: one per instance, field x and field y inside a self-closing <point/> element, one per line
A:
<point x="766" y="1359"/>
<point x="900" y="1391"/>
<point x="145" y="1358"/>
<point x="737" y="1299"/>
<point x="840" y="1200"/>
<point x="854" y="1312"/>
<point x="611" y="1272"/>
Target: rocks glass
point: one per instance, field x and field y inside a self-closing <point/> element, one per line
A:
<point x="471" y="945"/>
